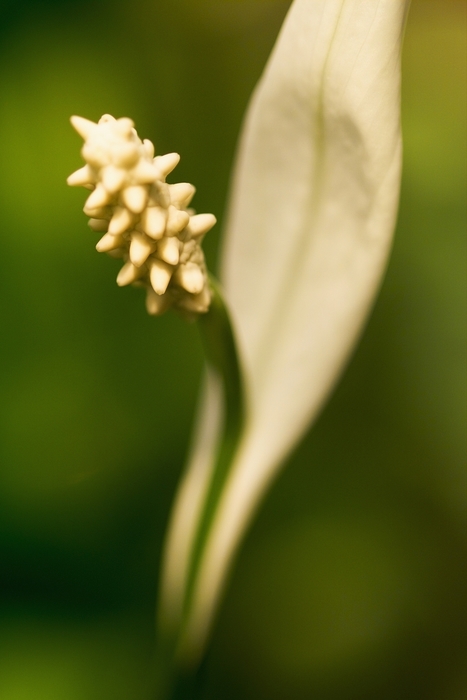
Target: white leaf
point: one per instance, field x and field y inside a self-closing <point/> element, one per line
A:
<point x="313" y="209"/>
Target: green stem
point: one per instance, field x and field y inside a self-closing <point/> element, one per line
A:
<point x="175" y="681"/>
<point x="221" y="352"/>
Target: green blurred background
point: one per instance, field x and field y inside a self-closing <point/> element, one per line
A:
<point x="350" y="583"/>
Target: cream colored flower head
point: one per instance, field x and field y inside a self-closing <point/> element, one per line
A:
<point x="145" y="221"/>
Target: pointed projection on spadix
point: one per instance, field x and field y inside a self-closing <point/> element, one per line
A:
<point x="121" y="221"/>
<point x="182" y="193"/>
<point x="177" y="220"/>
<point x="165" y="164"/>
<point x="83" y="177"/>
<point x="84" y="127"/>
<point x="129" y="274"/>
<point x="100" y="197"/>
<point x="141" y="248"/>
<point x="109" y="242"/>
<point x="149" y="148"/>
<point x="160" y="275"/>
<point x="168" y="249"/>
<point x="200" y="224"/>
<point x="153" y="221"/>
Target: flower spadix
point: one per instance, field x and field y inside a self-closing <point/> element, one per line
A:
<point x="313" y="209"/>
<point x="144" y="221"/>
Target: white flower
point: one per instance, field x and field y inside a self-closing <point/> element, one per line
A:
<point x="313" y="209"/>
<point x="145" y="221"/>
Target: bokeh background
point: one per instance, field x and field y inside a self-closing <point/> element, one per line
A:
<point x="350" y="583"/>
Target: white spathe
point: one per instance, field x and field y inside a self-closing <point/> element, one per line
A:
<point x="313" y="208"/>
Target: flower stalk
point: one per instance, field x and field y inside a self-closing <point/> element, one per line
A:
<point x="221" y="354"/>
<point x="178" y="659"/>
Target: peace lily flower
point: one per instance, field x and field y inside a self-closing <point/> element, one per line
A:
<point x="312" y="212"/>
<point x="313" y="209"/>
